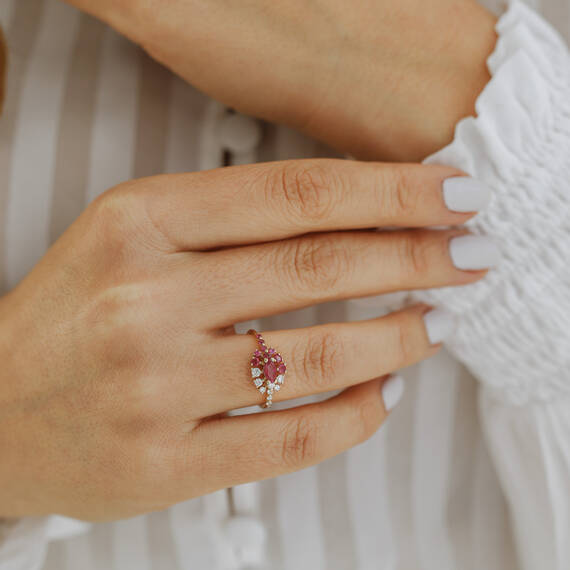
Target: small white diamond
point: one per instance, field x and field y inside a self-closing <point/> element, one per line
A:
<point x="277" y="387"/>
<point x="255" y="372"/>
<point x="280" y="378"/>
<point x="262" y="389"/>
<point x="265" y="360"/>
<point x="258" y="382"/>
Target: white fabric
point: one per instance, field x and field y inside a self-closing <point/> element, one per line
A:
<point x="514" y="331"/>
<point x="423" y="492"/>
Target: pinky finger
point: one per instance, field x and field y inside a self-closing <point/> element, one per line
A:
<point x="251" y="447"/>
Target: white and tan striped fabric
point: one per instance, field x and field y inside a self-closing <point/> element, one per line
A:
<point x="85" y="110"/>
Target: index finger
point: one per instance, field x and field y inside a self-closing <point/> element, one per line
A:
<point x="271" y="201"/>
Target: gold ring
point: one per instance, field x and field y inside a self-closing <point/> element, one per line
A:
<point x="267" y="369"/>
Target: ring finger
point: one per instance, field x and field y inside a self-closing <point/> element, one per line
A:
<point x="324" y="357"/>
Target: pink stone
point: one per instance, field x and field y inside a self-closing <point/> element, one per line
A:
<point x="277" y="358"/>
<point x="270" y="371"/>
<point x="281" y="369"/>
<point x="255" y="362"/>
<point x="271" y="351"/>
<point x="257" y="353"/>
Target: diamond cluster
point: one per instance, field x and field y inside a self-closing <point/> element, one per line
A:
<point x="267" y="370"/>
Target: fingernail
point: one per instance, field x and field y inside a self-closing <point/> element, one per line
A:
<point x="474" y="252"/>
<point x="465" y="194"/>
<point x="439" y="324"/>
<point x="392" y="391"/>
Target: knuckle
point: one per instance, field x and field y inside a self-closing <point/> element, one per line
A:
<point x="404" y="196"/>
<point x="405" y="339"/>
<point x="149" y="456"/>
<point x="367" y="419"/>
<point x="306" y="191"/>
<point x="114" y="319"/>
<point x="413" y="254"/>
<point x="300" y="442"/>
<point x="323" y="358"/>
<point x="112" y="219"/>
<point x="318" y="264"/>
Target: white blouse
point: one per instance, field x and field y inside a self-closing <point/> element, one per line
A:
<point x="472" y="470"/>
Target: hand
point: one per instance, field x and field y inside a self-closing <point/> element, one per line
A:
<point x="377" y="78"/>
<point x="118" y="353"/>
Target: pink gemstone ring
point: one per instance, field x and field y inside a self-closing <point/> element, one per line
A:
<point x="267" y="369"/>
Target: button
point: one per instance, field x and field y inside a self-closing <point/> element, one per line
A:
<point x="239" y="133"/>
<point x="247" y="536"/>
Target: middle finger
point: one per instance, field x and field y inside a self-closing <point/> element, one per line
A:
<point x="265" y="279"/>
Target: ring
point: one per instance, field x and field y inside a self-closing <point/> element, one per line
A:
<point x="267" y="369"/>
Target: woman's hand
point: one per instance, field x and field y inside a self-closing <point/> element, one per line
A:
<point x="118" y="352"/>
<point x="377" y="78"/>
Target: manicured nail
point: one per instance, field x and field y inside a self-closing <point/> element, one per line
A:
<point x="474" y="252"/>
<point x="464" y="194"/>
<point x="392" y="391"/>
<point x="439" y="324"/>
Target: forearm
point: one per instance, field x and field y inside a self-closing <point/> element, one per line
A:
<point x="388" y="80"/>
<point x="403" y="101"/>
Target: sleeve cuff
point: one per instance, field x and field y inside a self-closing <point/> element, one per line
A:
<point x="514" y="330"/>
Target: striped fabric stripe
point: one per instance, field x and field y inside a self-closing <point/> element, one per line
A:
<point x="74" y="140"/>
<point x="22" y="26"/>
<point x="112" y="149"/>
<point x="6" y="13"/>
<point x="85" y="110"/>
<point x="35" y="141"/>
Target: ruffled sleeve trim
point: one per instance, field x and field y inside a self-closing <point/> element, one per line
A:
<point x="514" y="329"/>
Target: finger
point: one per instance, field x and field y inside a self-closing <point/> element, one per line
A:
<point x="258" y="446"/>
<point x="323" y="358"/>
<point x="264" y="279"/>
<point x="269" y="201"/>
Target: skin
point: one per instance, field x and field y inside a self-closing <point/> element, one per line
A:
<point x="112" y="399"/>
<point x="380" y="79"/>
<point x="112" y="396"/>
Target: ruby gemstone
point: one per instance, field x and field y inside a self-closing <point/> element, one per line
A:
<point x="270" y="371"/>
<point x="255" y="362"/>
<point x="281" y="369"/>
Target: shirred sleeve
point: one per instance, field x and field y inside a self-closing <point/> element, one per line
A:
<point x="514" y="326"/>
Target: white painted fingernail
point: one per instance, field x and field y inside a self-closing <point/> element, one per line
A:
<point x="464" y="194"/>
<point x="439" y="324"/>
<point x="392" y="392"/>
<point x="474" y="252"/>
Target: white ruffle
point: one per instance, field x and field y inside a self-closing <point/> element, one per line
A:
<point x="514" y="330"/>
